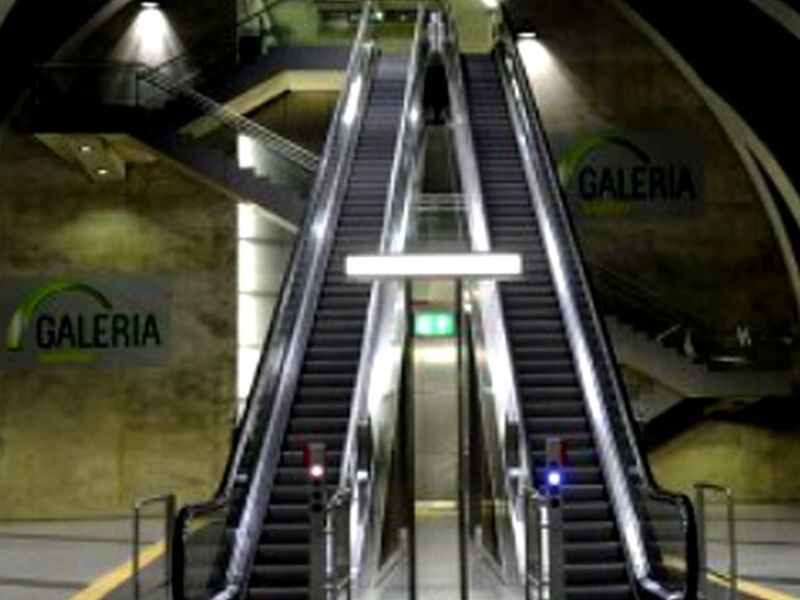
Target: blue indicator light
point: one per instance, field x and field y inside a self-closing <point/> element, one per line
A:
<point x="554" y="478"/>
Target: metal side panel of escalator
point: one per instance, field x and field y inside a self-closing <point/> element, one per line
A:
<point x="322" y="401"/>
<point x="550" y="393"/>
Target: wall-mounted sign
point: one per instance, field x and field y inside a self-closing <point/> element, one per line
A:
<point x="612" y="172"/>
<point x="437" y="323"/>
<point x="110" y="320"/>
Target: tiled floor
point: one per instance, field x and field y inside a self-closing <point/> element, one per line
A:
<point x="54" y="560"/>
<point x="768" y="544"/>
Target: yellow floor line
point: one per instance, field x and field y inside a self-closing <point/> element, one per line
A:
<point x="753" y="589"/>
<point x="111" y="580"/>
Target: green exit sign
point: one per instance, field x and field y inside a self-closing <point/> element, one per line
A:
<point x="434" y="324"/>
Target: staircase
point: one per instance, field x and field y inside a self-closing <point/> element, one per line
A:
<point x="675" y="371"/>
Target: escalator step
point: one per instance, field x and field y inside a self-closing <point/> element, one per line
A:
<point x="599" y="573"/>
<point x="322" y="401"/>
<point x="580" y="552"/>
<point x="281" y="553"/>
<point x="599" y="592"/>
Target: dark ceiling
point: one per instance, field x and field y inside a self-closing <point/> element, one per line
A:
<point x="32" y="32"/>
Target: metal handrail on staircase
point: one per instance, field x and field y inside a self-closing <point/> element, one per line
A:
<point x="211" y="109"/>
<point x="638" y="502"/>
<point x="664" y="320"/>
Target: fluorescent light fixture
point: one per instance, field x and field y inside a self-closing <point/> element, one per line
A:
<point x="491" y="4"/>
<point x="527" y="35"/>
<point x="488" y="265"/>
<point x="246" y="151"/>
<point x="535" y="56"/>
<point x="149" y="5"/>
<point x="85" y="148"/>
<point x="102" y="171"/>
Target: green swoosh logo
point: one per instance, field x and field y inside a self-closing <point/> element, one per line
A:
<point x="576" y="155"/>
<point x="28" y="307"/>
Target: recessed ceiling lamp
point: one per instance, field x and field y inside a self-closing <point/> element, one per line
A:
<point x="85" y="148"/>
<point x="102" y="172"/>
<point x="149" y="5"/>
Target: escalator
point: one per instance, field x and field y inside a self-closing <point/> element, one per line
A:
<point x="623" y="536"/>
<point x="321" y="408"/>
<point x="253" y="539"/>
<point x="550" y="393"/>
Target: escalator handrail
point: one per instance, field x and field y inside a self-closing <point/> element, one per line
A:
<point x="480" y="241"/>
<point x="260" y="402"/>
<point x="393" y="235"/>
<point x="534" y="138"/>
<point x="284" y="381"/>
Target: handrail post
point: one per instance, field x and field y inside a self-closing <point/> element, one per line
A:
<point x="733" y="562"/>
<point x="136" y="546"/>
<point x="169" y="534"/>
<point x="319" y="525"/>
<point x="734" y="567"/>
<point x="702" y="559"/>
<point x="170" y="504"/>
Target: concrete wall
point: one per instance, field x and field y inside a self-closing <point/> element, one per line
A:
<point x="302" y="117"/>
<point x="82" y="441"/>
<point x="720" y="263"/>
<point x="592" y="70"/>
<point x="760" y="463"/>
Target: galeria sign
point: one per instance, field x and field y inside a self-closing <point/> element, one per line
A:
<point x="623" y="172"/>
<point x="103" y="320"/>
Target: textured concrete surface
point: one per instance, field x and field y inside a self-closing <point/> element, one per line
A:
<point x="758" y="462"/>
<point x="767" y="544"/>
<point x="80" y="441"/>
<point x="54" y="560"/>
<point x="590" y="70"/>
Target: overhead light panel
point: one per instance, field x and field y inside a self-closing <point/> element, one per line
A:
<point x="476" y="265"/>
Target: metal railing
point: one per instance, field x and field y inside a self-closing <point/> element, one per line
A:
<point x="338" y="564"/>
<point x="169" y="502"/>
<point x="639" y="504"/>
<point x="220" y="48"/>
<point x="668" y="322"/>
<point x="502" y="413"/>
<point x="211" y="114"/>
<point x="375" y="394"/>
<point x="537" y="568"/>
<point x="74" y="85"/>
<point x="207" y="560"/>
<point x="701" y="490"/>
